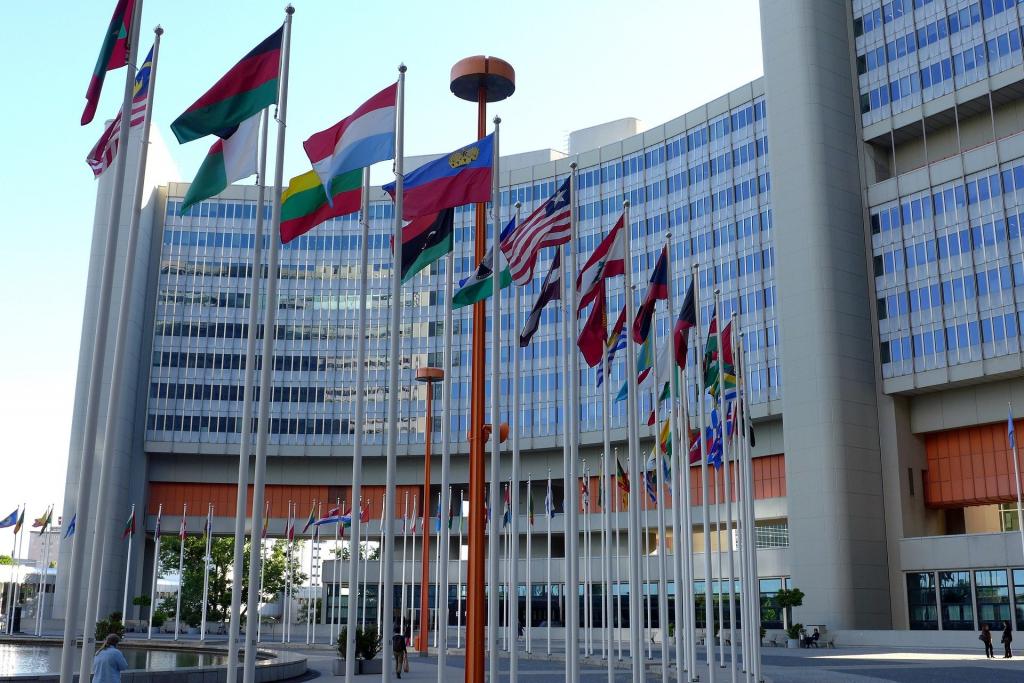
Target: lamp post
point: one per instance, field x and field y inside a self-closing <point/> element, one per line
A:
<point x="428" y="376"/>
<point x="478" y="79"/>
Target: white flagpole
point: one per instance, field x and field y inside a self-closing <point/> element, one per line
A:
<point x="45" y="578"/>
<point x="360" y="418"/>
<point x="182" y="535"/>
<point x="529" y="561"/>
<point x="288" y="573"/>
<point x="1016" y="477"/>
<point x="549" y="501"/>
<point x="388" y="519"/>
<point x="249" y="381"/>
<point x="728" y="509"/>
<point x="507" y="542"/>
<point x="266" y="371"/>
<point x="316" y="571"/>
<point x="405" y="558"/>
<point x="364" y="576"/>
<point x="635" y="595"/>
<point x="437" y="574"/>
<point x="649" y="630"/>
<point x="719" y="324"/>
<point x="606" y="560"/>
<point x="617" y="619"/>
<point x="495" y="475"/>
<point x="380" y="567"/>
<point x="19" y="542"/>
<point x="588" y="616"/>
<point x="77" y="580"/>
<point x="156" y="571"/>
<point x="567" y="314"/>
<point x="660" y="505"/>
<point x="572" y="424"/>
<point x="514" y="420"/>
<point x="127" y="570"/>
<point x="751" y="537"/>
<point x="206" y="570"/>
<point x="709" y="613"/>
<point x="339" y="546"/>
<point x="741" y="521"/>
<point x="446" y="460"/>
<point x="9" y="611"/>
<point x="458" y="580"/>
<point x="262" y="542"/>
<point x="411" y="604"/>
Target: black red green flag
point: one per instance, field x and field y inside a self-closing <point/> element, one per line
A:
<point x="426" y="239"/>
<point x="113" y="54"/>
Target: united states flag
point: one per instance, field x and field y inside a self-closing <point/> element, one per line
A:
<point x="105" y="150"/>
<point x="547" y="226"/>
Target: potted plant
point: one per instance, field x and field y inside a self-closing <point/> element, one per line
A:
<point x="368" y="646"/>
<point x="112" y="624"/>
<point x="787" y="599"/>
<point x="338" y="665"/>
<point x="794" y="632"/>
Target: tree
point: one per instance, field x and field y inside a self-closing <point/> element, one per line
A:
<point x="366" y="551"/>
<point x="6" y="560"/>
<point x="219" y="597"/>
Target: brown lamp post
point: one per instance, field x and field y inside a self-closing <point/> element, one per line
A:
<point x="478" y="79"/>
<point x="428" y="376"/>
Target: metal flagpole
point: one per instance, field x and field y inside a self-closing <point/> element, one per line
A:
<point x="182" y="535"/>
<point x="360" y="418"/>
<point x="411" y="604"/>
<point x="245" y="447"/>
<point x="380" y="568"/>
<point x="394" y="350"/>
<point x="45" y="579"/>
<point x="679" y="449"/>
<point x="364" y="580"/>
<point x="458" y="579"/>
<point x="1016" y="476"/>
<point x="572" y="423"/>
<point x="494" y="550"/>
<point x="206" y="570"/>
<point x="156" y="570"/>
<point x="339" y="546"/>
<point x="737" y="493"/>
<point x="437" y="573"/>
<point x="617" y="619"/>
<point x="266" y="371"/>
<point x="588" y="621"/>
<point x="660" y="507"/>
<point x="649" y="630"/>
<point x="513" y="580"/>
<point x="19" y="542"/>
<point x="77" y="582"/>
<point x="529" y="560"/>
<point x="112" y="428"/>
<point x="262" y="542"/>
<point x="316" y="571"/>
<point x="566" y="455"/>
<point x="719" y="324"/>
<point x="507" y="541"/>
<point x="127" y="566"/>
<point x="751" y="538"/>
<point x="709" y="613"/>
<point x="606" y="560"/>
<point x="634" y="470"/>
<point x="446" y="464"/>
<point x="287" y="573"/>
<point x="9" y="611"/>
<point x="549" y="501"/>
<point x="405" y="557"/>
<point x="728" y="510"/>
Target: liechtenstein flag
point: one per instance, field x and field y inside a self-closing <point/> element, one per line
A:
<point x="462" y="177"/>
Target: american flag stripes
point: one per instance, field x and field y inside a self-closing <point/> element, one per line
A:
<point x="103" y="153"/>
<point x="547" y="226"/>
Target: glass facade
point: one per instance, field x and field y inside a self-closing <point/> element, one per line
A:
<point x="912" y="51"/>
<point x="709" y="186"/>
<point x="996" y="599"/>
<point x="921" y="601"/>
<point x="955" y="600"/>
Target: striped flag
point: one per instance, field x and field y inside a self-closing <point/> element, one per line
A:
<point x="549" y="502"/>
<point x="616" y="342"/>
<point x="103" y="153"/>
<point x="183" y="530"/>
<point x="129" y="526"/>
<point x="550" y="290"/>
<point x="547" y="226"/>
<point x="71" y="526"/>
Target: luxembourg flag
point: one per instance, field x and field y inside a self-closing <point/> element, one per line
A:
<point x="357" y="141"/>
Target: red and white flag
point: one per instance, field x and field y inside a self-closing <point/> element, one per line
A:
<point x="547" y="226"/>
<point x="181" y="531"/>
<point x="103" y="153"/>
<point x="608" y="260"/>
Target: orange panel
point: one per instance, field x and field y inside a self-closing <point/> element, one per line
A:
<point x="969" y="466"/>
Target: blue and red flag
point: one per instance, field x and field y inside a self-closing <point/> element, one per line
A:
<point x="681" y="330"/>
<point x="462" y="177"/>
<point x="657" y="290"/>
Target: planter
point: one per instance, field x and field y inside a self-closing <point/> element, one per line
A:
<point x="793" y="643"/>
<point x="338" y="667"/>
<point x="371" y="666"/>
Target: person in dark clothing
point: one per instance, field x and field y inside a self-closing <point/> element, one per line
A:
<point x="1007" y="639"/>
<point x="986" y="639"/>
<point x="398" y="645"/>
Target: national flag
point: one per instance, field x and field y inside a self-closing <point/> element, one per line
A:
<point x="662" y="397"/>
<point x="159" y="516"/>
<point x="547" y="226"/>
<point x="291" y="530"/>
<point x="714" y="438"/>
<point x="644" y="361"/>
<point x="585" y="492"/>
<point x="549" y="502"/>
<point x="665" y="438"/>
<point x="506" y="517"/>
<point x="594" y="336"/>
<point x="334" y="516"/>
<point x="311" y="520"/>
<point x="712" y="358"/>
<point x="361" y="139"/>
<point x="304" y="203"/>
<point x="681" y="331"/>
<point x="607" y="260"/>
<point x="1009" y="428"/>
<point x="101" y="156"/>
<point x="529" y="503"/>
<point x="183" y="529"/>
<point x="425" y="239"/>
<point x="364" y="512"/>
<point x="616" y="342"/>
<point x="21" y="521"/>
<point x="113" y="54"/>
<point x="600" y="487"/>
<point x="621" y="478"/>
<point x="694" y="446"/>
<point x="658" y="289"/>
<point x="129" y="526"/>
<point x="9" y="520"/>
<point x="666" y="469"/>
<point x="480" y="284"/>
<point x="250" y="85"/>
<point x="462" y="177"/>
<point x="550" y="290"/>
<point x="43" y="521"/>
<point x="229" y="160"/>
<point x="71" y="526"/>
<point x="651" y="485"/>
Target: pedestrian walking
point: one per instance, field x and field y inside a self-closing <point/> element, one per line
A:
<point x="108" y="663"/>
<point x="986" y="639"/>
<point x="1007" y="639"/>
<point x="398" y="646"/>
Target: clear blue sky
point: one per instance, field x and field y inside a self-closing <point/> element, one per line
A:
<point x="577" y="64"/>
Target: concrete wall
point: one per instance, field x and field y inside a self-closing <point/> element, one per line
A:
<point x="837" y="528"/>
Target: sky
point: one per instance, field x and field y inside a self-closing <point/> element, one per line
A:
<point x="578" y="63"/>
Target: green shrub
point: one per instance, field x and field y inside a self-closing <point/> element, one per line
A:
<point x="794" y="631"/>
<point x="112" y="624"/>
<point x="159" y="618"/>
<point x="368" y="642"/>
<point x="343" y="641"/>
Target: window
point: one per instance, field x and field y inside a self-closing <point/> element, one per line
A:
<point x="771" y="613"/>
<point x="955" y="596"/>
<point x="1018" y="597"/>
<point x="1008" y="517"/>
<point x="773" y="535"/>
<point x="993" y="597"/>
<point x="921" y="601"/>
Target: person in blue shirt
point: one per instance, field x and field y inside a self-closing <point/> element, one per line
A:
<point x="109" y="662"/>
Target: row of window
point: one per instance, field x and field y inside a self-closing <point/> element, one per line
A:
<point x="227" y="424"/>
<point x="953" y="337"/>
<point x="960" y="63"/>
<point x="978" y="238"/>
<point x="956" y="291"/>
<point x="949" y="602"/>
<point x="952" y="199"/>
<point x="926" y="35"/>
<point x="236" y="361"/>
<point x="894" y="9"/>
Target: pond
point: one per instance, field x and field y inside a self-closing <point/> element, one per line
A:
<point x="37" y="659"/>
